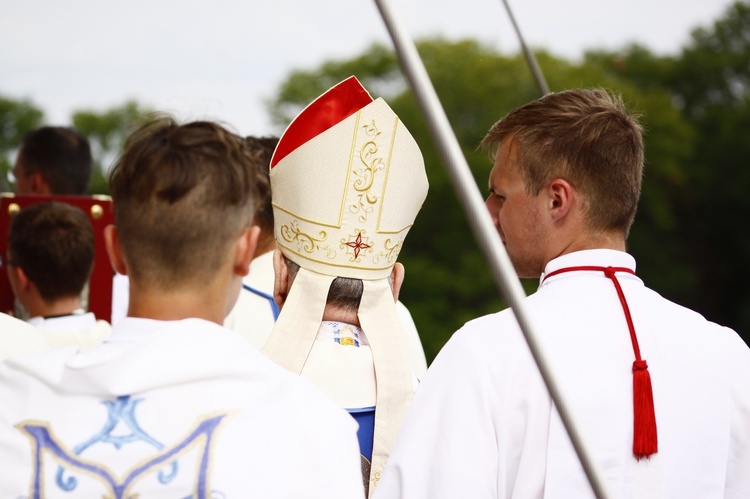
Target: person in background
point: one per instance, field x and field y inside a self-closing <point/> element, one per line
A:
<point x="173" y="404"/>
<point x="346" y="187"/>
<point x="50" y="257"/>
<point x="53" y="160"/>
<point x="660" y="395"/>
<point x="255" y="312"/>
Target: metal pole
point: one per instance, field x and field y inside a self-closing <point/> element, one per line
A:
<point x="484" y="230"/>
<point x="530" y="58"/>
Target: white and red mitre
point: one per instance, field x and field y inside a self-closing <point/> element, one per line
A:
<point x="347" y="182"/>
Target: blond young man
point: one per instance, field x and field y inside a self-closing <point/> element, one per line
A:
<point x="661" y="395"/>
<point x="174" y="405"/>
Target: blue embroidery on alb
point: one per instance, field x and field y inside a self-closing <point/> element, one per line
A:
<point x="121" y="410"/>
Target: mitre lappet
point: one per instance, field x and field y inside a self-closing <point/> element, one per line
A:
<point x="347" y="182"/>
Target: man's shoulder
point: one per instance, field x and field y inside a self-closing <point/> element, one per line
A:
<point x="11" y="326"/>
<point x="19" y="338"/>
<point x="231" y="356"/>
<point x="489" y="324"/>
<point x="497" y="333"/>
<point x="205" y="358"/>
<point x="691" y="324"/>
<point x="21" y="376"/>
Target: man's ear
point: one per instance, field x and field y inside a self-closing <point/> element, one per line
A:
<point x="561" y="197"/>
<point x="245" y="250"/>
<point x="397" y="279"/>
<point x="19" y="281"/>
<point x="281" y="278"/>
<point x="38" y="184"/>
<point x="114" y="249"/>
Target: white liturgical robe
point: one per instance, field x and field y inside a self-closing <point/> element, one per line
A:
<point x="170" y="409"/>
<point x="254" y="314"/>
<point x="482" y="424"/>
<point x="77" y="329"/>
<point x="19" y="338"/>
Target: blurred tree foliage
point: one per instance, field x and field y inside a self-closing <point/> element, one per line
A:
<point x="107" y="131"/>
<point x="703" y="253"/>
<point x="16" y="118"/>
<point x="447" y="280"/>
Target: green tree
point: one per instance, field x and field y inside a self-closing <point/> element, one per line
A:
<point x="16" y="118"/>
<point x="107" y="131"/>
<point x="447" y="279"/>
<point x="710" y="82"/>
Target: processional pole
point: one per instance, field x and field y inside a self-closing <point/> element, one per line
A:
<point x="530" y="58"/>
<point x="484" y="230"/>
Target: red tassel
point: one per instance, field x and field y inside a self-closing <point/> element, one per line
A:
<point x="644" y="421"/>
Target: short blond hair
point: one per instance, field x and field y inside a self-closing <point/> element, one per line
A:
<point x="588" y="138"/>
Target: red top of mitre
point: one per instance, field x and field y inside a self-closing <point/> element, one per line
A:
<point x="334" y="106"/>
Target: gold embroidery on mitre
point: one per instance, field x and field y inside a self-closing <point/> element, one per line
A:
<point x="390" y="253"/>
<point x="391" y="147"/>
<point x="305" y="241"/>
<point x="366" y="176"/>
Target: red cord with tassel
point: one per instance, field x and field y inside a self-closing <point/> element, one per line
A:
<point x="645" y="441"/>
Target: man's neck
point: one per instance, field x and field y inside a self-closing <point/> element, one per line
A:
<point x="333" y="314"/>
<point x="177" y="304"/>
<point x="591" y="242"/>
<point x="62" y="306"/>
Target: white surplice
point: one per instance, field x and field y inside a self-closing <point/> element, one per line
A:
<point x="483" y="426"/>
<point x="252" y="317"/>
<point x="19" y="338"/>
<point x="170" y="409"/>
<point x="77" y="329"/>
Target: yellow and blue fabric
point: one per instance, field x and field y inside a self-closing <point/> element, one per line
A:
<point x="121" y="413"/>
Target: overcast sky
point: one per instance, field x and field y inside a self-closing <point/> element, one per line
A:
<point x="221" y="59"/>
